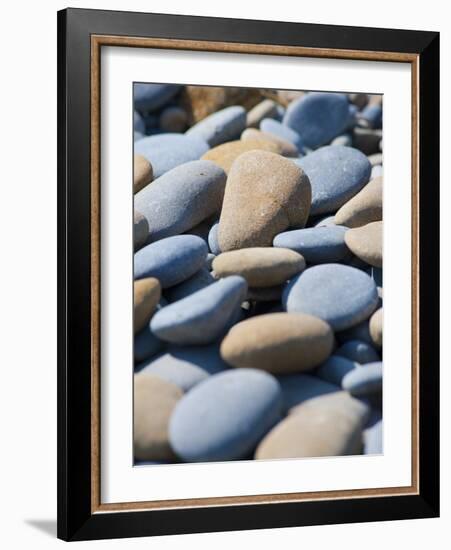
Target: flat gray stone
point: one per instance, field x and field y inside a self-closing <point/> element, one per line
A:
<point x="224" y="125"/>
<point x="366" y="380"/>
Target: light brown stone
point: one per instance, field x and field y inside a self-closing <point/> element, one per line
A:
<point x="285" y="97"/>
<point x="278" y="343"/>
<point x="261" y="267"/>
<point x="226" y="153"/>
<point x="286" y="149"/>
<point x="329" y="425"/>
<point x="154" y="400"/>
<point x="366" y="243"/>
<point x="146" y="295"/>
<point x="142" y="173"/>
<point x="265" y="194"/>
<point x="265" y="109"/>
<point x="363" y="208"/>
<point x="376" y="326"/>
<point x="140" y="230"/>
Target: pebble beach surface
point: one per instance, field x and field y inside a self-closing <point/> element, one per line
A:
<point x="258" y="239"/>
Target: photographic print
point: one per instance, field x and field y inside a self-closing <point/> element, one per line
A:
<point x="258" y="252"/>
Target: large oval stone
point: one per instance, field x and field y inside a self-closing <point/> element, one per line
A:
<point x="171" y="260"/>
<point x="225" y="417"/>
<point x="340" y="295"/>
<point x="363" y="208"/>
<point x="336" y="174"/>
<point x="146" y="295"/>
<point x="203" y="316"/>
<point x="166" y="151"/>
<point x="261" y="267"/>
<point x="366" y="243"/>
<point x="330" y="425"/>
<point x="225" y="154"/>
<point x="221" y="126"/>
<point x="154" y="400"/>
<point x="182" y="198"/>
<point x="278" y="343"/>
<point x="317" y="117"/>
<point x="324" y="244"/>
<point x="265" y="195"/>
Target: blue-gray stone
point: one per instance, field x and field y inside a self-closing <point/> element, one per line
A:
<point x="166" y="151"/>
<point x="344" y="140"/>
<point x="336" y="174"/>
<point x="209" y="260"/>
<point x="373" y="440"/>
<point x="364" y="380"/>
<point x="340" y="295"/>
<point x="181" y="198"/>
<point x="358" y="351"/>
<point x="137" y="136"/>
<point x="199" y="280"/>
<point x="317" y="245"/>
<point x="203" y="316"/>
<point x="213" y="239"/>
<point x="325" y="221"/>
<point x="335" y="369"/>
<point x="171" y="260"/>
<point x="150" y="97"/>
<point x="186" y="366"/>
<point x="279" y="130"/>
<point x="318" y="117"/>
<point x="352" y="116"/>
<point x="138" y="123"/>
<point x="221" y="126"/>
<point x="371" y="116"/>
<point x="297" y="388"/>
<point x="224" y="417"/>
<point x="145" y="345"/>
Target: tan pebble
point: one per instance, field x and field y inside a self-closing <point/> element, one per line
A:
<point x="146" y="295"/>
<point x="285" y="97"/>
<point x="329" y="425"/>
<point x="286" y="149"/>
<point x="261" y="267"/>
<point x="278" y="343"/>
<point x="142" y="172"/>
<point x="366" y="243"/>
<point x="363" y="208"/>
<point x="265" y="109"/>
<point x="140" y="230"/>
<point x="376" y="325"/>
<point x="265" y="194"/>
<point x="226" y="153"/>
<point x="154" y="400"/>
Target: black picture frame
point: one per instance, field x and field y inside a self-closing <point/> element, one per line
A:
<point x="76" y="519"/>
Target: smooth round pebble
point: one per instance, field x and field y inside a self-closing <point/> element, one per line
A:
<point x="224" y="125"/>
<point x="358" y="351"/>
<point x="182" y="198"/>
<point x="376" y="326"/>
<point x="274" y="127"/>
<point x="171" y="260"/>
<point x="146" y="295"/>
<point x="342" y="296"/>
<point x="154" y="400"/>
<point x="213" y="239"/>
<point x="265" y="109"/>
<point x="363" y="208"/>
<point x="224" y="417"/>
<point x="329" y="425"/>
<point x="317" y="117"/>
<point x="225" y="154"/>
<point x="142" y="172"/>
<point x="324" y="244"/>
<point x="366" y="243"/>
<point x="335" y="368"/>
<point x="203" y="316"/>
<point x="364" y="381"/>
<point x="140" y="230"/>
<point x="261" y="267"/>
<point x="336" y="174"/>
<point x="166" y="151"/>
<point x="279" y="343"/>
<point x="284" y="147"/>
<point x="265" y="195"/>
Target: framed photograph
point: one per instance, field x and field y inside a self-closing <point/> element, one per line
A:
<point x="248" y="274"/>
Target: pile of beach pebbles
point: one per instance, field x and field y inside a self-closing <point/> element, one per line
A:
<point x="258" y="274"/>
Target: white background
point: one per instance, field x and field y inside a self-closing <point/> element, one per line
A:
<point x="28" y="274"/>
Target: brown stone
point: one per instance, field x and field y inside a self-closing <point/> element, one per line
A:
<point x="363" y="208"/>
<point x="146" y="295"/>
<point x="285" y="97"/>
<point x="261" y="267"/>
<point x="366" y="243"/>
<point x="142" y="173"/>
<point x="329" y="425"/>
<point x="278" y="343"/>
<point x="225" y="154"/>
<point x="140" y="230"/>
<point x="154" y="400"/>
<point x="286" y="149"/>
<point x="265" y="109"/>
<point x="376" y="327"/>
<point x="265" y="194"/>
